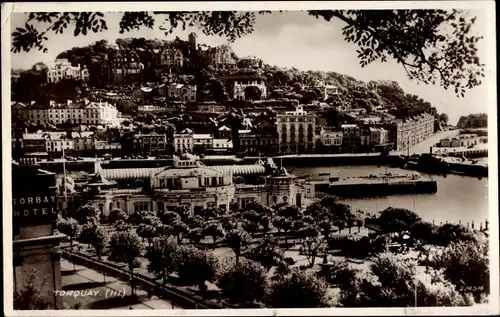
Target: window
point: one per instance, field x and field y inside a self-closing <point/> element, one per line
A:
<point x="207" y="181"/>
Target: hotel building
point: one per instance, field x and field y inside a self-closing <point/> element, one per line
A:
<point x="296" y="131"/>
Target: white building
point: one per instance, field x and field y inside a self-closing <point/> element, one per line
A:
<point x="326" y="90"/>
<point x="296" y="131"/>
<point x="240" y="86"/>
<point x="84" y="143"/>
<point x="331" y="138"/>
<point x="57" y="145"/>
<point x="107" y="146"/>
<point x="351" y="134"/>
<point x="219" y="144"/>
<point x="62" y="68"/>
<point x="183" y="141"/>
<point x="83" y="113"/>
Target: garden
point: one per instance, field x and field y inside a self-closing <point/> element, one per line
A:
<point x="325" y="255"/>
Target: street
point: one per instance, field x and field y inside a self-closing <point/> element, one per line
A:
<point x="86" y="288"/>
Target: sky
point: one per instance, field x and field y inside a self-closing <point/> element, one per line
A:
<point x="292" y="39"/>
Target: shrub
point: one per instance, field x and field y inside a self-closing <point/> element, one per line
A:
<point x="243" y="282"/>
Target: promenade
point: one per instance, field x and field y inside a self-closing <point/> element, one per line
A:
<point x="94" y="293"/>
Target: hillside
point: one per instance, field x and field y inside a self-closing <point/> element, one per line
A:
<point x="288" y="83"/>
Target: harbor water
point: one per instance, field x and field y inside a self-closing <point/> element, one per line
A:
<point x="458" y="198"/>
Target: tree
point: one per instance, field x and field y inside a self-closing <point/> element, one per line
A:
<point x="299" y="290"/>
<point x="311" y="248"/>
<point x="117" y="214"/>
<point x="87" y="233"/>
<point x="121" y="225"/>
<point x="214" y="229"/>
<point x="253" y="93"/>
<point x="424" y="231"/>
<point x="443" y="118"/>
<point x="466" y="265"/>
<point x="237" y="240"/>
<point x="100" y="241"/>
<point x="164" y="230"/>
<point x="163" y="257"/>
<point x="450" y="233"/>
<point x="148" y="232"/>
<point x="195" y="235"/>
<point x="169" y="217"/>
<point x="30" y="297"/>
<point x="419" y="40"/>
<point x="397" y="220"/>
<point x="195" y="266"/>
<point x="283" y="224"/>
<point x="70" y="228"/>
<point x="179" y="228"/>
<point x="87" y="213"/>
<point x="243" y="282"/>
<point x="338" y="273"/>
<point x="393" y="282"/>
<point x="267" y="253"/>
<point x="126" y="247"/>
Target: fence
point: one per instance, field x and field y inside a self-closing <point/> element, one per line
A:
<point x="177" y="296"/>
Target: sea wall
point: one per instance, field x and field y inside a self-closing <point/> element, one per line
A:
<point x="377" y="190"/>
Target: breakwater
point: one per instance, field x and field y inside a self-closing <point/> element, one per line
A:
<point x="365" y="190"/>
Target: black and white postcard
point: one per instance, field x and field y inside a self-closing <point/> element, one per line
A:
<point x="250" y="158"/>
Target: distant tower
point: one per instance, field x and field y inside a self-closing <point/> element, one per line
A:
<point x="192" y="41"/>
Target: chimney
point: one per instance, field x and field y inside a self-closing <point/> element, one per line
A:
<point x="486" y="224"/>
<point x="472" y="224"/>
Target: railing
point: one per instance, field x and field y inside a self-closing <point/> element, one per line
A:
<point x="177" y="295"/>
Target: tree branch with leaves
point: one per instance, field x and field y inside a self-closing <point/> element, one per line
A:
<point x="433" y="46"/>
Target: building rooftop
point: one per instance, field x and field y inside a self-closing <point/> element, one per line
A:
<point x="224" y="128"/>
<point x="202" y="136"/>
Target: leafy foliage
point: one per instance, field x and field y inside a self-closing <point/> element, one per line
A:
<point x="196" y="266"/>
<point x="338" y="273"/>
<point x="87" y="213"/>
<point x="100" y="240"/>
<point x="70" y="228"/>
<point x="393" y="281"/>
<point x="397" y="220"/>
<point x="433" y="46"/>
<point x="299" y="290"/>
<point x="466" y="265"/>
<point x="117" y="214"/>
<point x="243" y="282"/>
<point x="163" y="257"/>
<point x="267" y="253"/>
<point x="237" y="240"/>
<point x="125" y="246"/>
<point x="30" y="297"/>
<point x="419" y="40"/>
